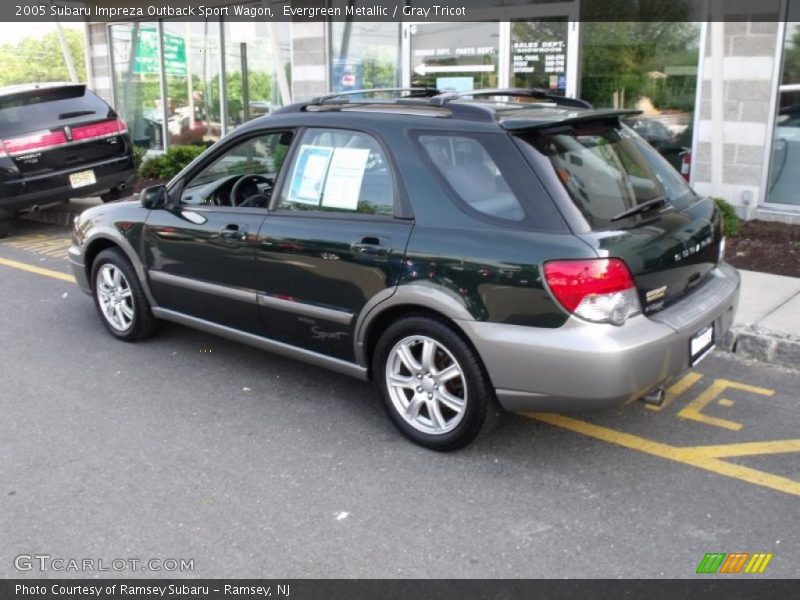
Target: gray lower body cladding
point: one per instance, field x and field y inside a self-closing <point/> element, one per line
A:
<point x="584" y="366"/>
<point x="579" y="366"/>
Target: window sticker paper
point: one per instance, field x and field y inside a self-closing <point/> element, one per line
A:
<point x="345" y="174"/>
<point x="308" y="178"/>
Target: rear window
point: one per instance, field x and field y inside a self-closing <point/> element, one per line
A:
<point x="473" y="175"/>
<point x="607" y="169"/>
<point x="488" y="177"/>
<point x="47" y="108"/>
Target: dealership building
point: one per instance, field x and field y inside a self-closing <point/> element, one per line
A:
<point x="726" y="91"/>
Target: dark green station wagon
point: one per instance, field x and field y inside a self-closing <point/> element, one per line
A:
<point x="505" y="248"/>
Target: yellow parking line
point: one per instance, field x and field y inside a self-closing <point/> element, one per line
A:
<point x="699" y="457"/>
<point x="38" y="270"/>
<point x="694" y="409"/>
<point x="748" y="448"/>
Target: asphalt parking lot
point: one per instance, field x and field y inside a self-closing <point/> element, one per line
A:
<point x="188" y="446"/>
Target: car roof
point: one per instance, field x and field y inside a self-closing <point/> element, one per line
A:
<point x="513" y="109"/>
<point x="25" y="88"/>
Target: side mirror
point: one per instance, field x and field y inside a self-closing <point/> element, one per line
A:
<point x="153" y="197"/>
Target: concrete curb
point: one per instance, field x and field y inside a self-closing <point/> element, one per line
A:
<point x="767" y="346"/>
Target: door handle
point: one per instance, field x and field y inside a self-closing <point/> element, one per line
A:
<point x="371" y="245"/>
<point x="234" y="232"/>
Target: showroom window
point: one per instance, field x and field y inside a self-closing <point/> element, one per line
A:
<point x="256" y="71"/>
<point x="648" y="66"/>
<point x="456" y="57"/>
<point x="191" y="63"/>
<point x="784" y="173"/>
<point x="539" y="54"/>
<point x="137" y="85"/>
<point x="254" y="64"/>
<point x="364" y="54"/>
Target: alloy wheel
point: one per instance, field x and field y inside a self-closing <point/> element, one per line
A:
<point x="115" y="297"/>
<point x="426" y="384"/>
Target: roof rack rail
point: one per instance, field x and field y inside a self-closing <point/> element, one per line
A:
<point x="519" y="92"/>
<point x="413" y="92"/>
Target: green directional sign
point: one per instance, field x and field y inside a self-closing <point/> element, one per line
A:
<point x="146" y="57"/>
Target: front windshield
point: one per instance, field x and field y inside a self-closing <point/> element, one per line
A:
<point x="607" y="170"/>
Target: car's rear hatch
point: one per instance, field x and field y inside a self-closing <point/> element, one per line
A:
<point x="629" y="203"/>
<point x="58" y="128"/>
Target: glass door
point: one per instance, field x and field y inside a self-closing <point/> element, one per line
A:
<point x="524" y="46"/>
<point x="456" y="57"/>
<point x="539" y="54"/>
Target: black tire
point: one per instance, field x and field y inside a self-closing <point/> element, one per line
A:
<point x="481" y="409"/>
<point x="5" y="228"/>
<point x="142" y="324"/>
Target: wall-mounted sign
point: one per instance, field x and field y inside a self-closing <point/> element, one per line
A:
<point x="538" y="57"/>
<point x="145" y="60"/>
<point x="347" y="74"/>
<point x="539" y="54"/>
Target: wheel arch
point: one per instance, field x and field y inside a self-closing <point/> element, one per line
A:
<point x="103" y="240"/>
<point x="420" y="299"/>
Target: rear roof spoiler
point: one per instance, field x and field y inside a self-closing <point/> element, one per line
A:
<point x="530" y="121"/>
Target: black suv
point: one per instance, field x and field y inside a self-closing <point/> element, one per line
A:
<point x="460" y="252"/>
<point x="58" y="141"/>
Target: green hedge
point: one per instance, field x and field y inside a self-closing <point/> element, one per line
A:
<point x="170" y="163"/>
<point x="138" y="157"/>
<point x="732" y="222"/>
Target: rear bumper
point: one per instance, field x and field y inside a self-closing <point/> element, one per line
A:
<point x="584" y="366"/>
<point x="50" y="188"/>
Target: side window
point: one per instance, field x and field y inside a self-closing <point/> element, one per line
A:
<point x="242" y="176"/>
<point x="340" y="171"/>
<point x="468" y="164"/>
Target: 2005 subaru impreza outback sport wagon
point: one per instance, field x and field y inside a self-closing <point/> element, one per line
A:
<point x="507" y="249"/>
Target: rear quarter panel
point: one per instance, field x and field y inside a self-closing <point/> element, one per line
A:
<point x="490" y="269"/>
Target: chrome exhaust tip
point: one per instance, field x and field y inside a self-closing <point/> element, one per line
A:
<point x="656" y="397"/>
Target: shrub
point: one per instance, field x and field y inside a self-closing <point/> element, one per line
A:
<point x="170" y="163"/>
<point x="731" y="221"/>
<point x="138" y="156"/>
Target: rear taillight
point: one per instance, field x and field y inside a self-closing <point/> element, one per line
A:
<point x="98" y="130"/>
<point x="34" y="141"/>
<point x="599" y="290"/>
<point x="686" y="164"/>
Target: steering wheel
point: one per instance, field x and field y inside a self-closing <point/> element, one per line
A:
<point x="248" y="184"/>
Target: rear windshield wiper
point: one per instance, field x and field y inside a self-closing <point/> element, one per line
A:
<point x="77" y="113"/>
<point x="640" y="208"/>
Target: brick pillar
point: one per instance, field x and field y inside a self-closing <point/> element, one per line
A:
<point x="309" y="60"/>
<point x="99" y="61"/>
<point x="748" y="68"/>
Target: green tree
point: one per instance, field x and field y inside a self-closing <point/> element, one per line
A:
<point x="259" y="87"/>
<point x="791" y="57"/>
<point x="618" y="58"/>
<point x="34" y="60"/>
